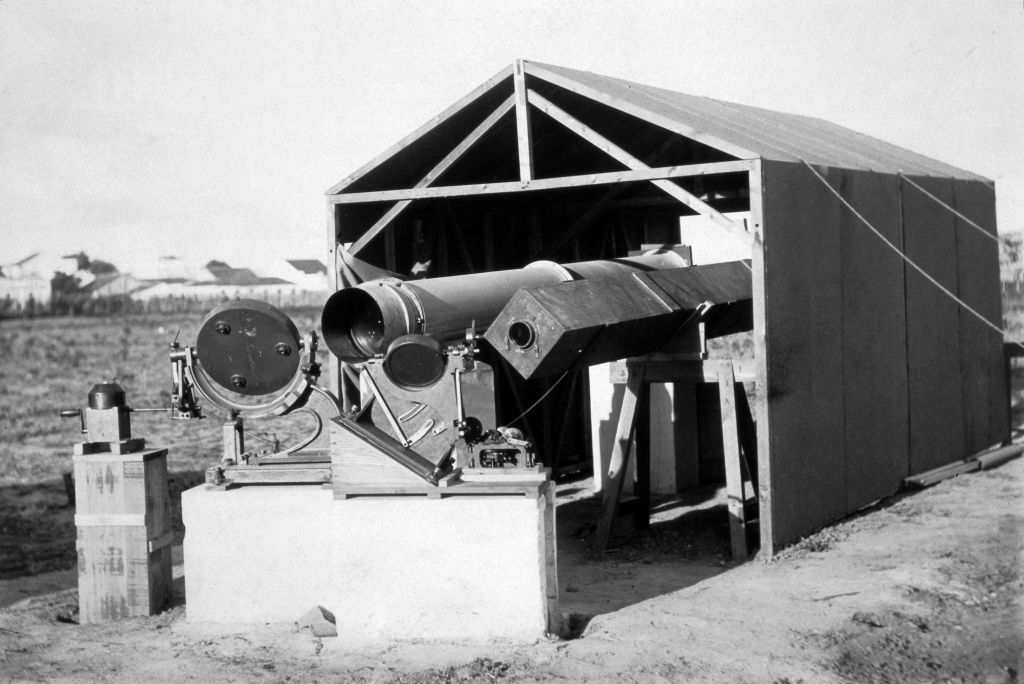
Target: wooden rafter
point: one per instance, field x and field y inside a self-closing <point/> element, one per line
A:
<point x="442" y="166"/>
<point x="523" y="131"/>
<point x="635" y="164"/>
<point x="586" y="180"/>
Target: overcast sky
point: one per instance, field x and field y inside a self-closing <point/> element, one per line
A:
<point x="212" y="129"/>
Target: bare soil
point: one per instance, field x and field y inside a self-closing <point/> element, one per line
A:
<point x="923" y="587"/>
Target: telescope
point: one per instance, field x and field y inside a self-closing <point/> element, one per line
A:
<point x="421" y="353"/>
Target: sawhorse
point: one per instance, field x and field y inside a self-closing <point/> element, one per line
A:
<point x="739" y="441"/>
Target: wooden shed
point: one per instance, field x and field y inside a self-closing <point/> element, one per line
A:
<point x="864" y="371"/>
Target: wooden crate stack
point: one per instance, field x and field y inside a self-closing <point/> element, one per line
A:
<point x="123" y="519"/>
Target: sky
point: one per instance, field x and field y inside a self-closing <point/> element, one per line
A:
<point x="211" y="130"/>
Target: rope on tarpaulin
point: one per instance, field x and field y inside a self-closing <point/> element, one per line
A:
<point x="910" y="262"/>
<point x="984" y="231"/>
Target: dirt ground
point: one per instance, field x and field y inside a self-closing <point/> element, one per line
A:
<point x="923" y="587"/>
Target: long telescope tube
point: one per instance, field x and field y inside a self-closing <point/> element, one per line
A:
<point x="361" y="322"/>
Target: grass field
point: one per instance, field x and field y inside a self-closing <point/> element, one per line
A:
<point x="51" y="363"/>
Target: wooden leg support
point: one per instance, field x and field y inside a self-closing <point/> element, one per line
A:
<point x="620" y="456"/>
<point x="733" y="470"/>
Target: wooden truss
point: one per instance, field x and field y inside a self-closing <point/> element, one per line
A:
<point x="521" y="102"/>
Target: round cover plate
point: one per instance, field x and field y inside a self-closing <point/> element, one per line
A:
<point x="414" y="361"/>
<point x="249" y="347"/>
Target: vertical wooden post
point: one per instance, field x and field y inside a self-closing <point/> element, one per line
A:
<point x="760" y="408"/>
<point x="1010" y="351"/>
<point x="333" y="380"/>
<point x="619" y="462"/>
<point x="523" y="131"/>
<point x="733" y="471"/>
<point x="642" y="506"/>
<point x="687" y="446"/>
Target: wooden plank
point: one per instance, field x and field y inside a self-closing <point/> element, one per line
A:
<point x="642" y="442"/>
<point x="691" y="287"/>
<point x="733" y="469"/>
<point x="618" y="465"/>
<point x="430" y="125"/>
<point x="540" y="184"/>
<point x="681" y="370"/>
<point x="684" y="407"/>
<point x="480" y="131"/>
<point x="627" y="159"/>
<point x="805" y="460"/>
<point x="524" y="135"/>
<point x="986" y="418"/>
<point x="874" y="346"/>
<point x="935" y="389"/>
<point x="748" y="435"/>
<point x="760" y="364"/>
<point x="332" y="379"/>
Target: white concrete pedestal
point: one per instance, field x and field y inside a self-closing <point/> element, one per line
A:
<point x="390" y="566"/>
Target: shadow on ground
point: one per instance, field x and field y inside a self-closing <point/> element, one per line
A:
<point x="686" y="543"/>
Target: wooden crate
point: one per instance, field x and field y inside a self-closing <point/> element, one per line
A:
<point x="124" y="534"/>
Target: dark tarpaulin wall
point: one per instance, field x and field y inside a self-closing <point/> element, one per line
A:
<point x="873" y="373"/>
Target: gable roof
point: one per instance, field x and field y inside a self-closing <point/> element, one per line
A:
<point x="750" y="131"/>
<point x="308" y="266"/>
<point x="730" y="130"/>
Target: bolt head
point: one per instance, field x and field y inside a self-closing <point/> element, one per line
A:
<point x="238" y="381"/>
<point x="223" y="327"/>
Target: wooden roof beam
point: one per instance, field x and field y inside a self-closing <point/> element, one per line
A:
<point x="627" y="159"/>
<point x="585" y="180"/>
<point x="434" y="173"/>
<point x="523" y="131"/>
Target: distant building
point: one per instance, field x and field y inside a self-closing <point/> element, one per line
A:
<point x="309" y="274"/>
<point x="169" y="269"/>
<point x="113" y="285"/>
<point x="29" y="278"/>
<point x="42" y="266"/>
<point x="21" y="290"/>
<point x="220" y="281"/>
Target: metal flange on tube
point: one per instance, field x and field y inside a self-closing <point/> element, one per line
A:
<point x="361" y="322"/>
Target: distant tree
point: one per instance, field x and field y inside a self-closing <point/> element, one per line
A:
<point x="64" y="284"/>
<point x="8" y="308"/>
<point x="1011" y="246"/>
<point x="94" y="266"/>
<point x="100" y="267"/>
<point x="66" y="294"/>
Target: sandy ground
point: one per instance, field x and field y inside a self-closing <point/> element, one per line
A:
<point x="923" y="587"/>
